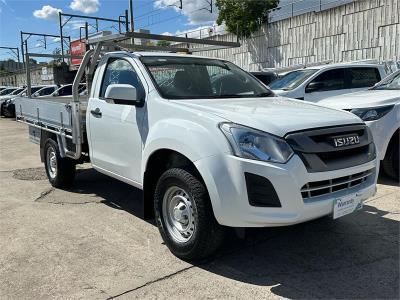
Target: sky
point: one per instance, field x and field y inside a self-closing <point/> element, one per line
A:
<point x="159" y="16"/>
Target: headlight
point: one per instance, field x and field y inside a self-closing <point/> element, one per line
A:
<point x="254" y="144"/>
<point x="372" y="113"/>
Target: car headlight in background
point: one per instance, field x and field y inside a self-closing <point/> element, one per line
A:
<point x="372" y="113"/>
<point x="254" y="144"/>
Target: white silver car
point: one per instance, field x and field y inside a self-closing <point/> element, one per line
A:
<point x="319" y="82"/>
<point x="379" y="107"/>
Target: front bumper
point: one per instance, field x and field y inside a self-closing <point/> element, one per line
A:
<point x="225" y="181"/>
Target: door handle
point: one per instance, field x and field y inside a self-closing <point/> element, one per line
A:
<point x="96" y="112"/>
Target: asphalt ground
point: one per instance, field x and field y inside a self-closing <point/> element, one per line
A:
<point x="88" y="242"/>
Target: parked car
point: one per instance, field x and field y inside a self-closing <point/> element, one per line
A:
<point x="320" y="82"/>
<point x="45" y="91"/>
<point x="66" y="90"/>
<point x="7" y="91"/>
<point x="7" y="106"/>
<point x="379" y="107"/>
<point x="207" y="153"/>
<point x="9" y="94"/>
<point x="265" y="77"/>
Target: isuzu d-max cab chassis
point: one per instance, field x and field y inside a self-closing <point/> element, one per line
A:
<point x="210" y="145"/>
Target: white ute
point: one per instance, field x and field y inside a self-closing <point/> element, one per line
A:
<point x="379" y="107"/>
<point x="208" y="143"/>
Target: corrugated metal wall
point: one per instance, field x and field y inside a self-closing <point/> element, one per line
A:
<point x="364" y="29"/>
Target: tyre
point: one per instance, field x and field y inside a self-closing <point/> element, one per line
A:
<point x="60" y="171"/>
<point x="185" y="217"/>
<point x="9" y="110"/>
<point x="390" y="163"/>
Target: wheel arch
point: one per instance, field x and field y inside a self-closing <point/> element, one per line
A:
<point x="44" y="136"/>
<point x="394" y="138"/>
<point x="156" y="164"/>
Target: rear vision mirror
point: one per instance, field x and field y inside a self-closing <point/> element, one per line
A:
<point x="314" y="86"/>
<point x="123" y="94"/>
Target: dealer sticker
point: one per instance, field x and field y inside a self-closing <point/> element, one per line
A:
<point x="346" y="205"/>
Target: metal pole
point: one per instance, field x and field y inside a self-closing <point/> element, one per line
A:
<point x="61" y="35"/>
<point x="86" y="35"/>
<point x="28" y="71"/>
<point x="19" y="62"/>
<point x="131" y="14"/>
<point x="126" y="21"/>
<point x="22" y="49"/>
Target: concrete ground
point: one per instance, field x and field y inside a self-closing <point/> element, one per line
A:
<point x="89" y="243"/>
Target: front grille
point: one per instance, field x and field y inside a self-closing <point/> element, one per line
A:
<point x="319" y="154"/>
<point x="324" y="187"/>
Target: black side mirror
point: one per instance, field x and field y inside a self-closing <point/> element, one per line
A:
<point x="314" y="86"/>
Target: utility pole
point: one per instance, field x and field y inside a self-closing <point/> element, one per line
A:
<point x="131" y="15"/>
<point x="61" y="35"/>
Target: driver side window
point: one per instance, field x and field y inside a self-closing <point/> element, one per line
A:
<point x="327" y="81"/>
<point x="120" y="71"/>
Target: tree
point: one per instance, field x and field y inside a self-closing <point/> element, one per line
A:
<point x="243" y="16"/>
<point x="56" y="51"/>
<point x="163" y="43"/>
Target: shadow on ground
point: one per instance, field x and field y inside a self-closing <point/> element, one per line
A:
<point x="354" y="257"/>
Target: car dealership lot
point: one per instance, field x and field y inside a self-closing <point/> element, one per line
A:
<point x="89" y="243"/>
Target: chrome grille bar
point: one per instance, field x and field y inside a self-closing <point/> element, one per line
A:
<point x="319" y="188"/>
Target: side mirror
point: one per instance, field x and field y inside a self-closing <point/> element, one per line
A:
<point x="123" y="94"/>
<point x="314" y="86"/>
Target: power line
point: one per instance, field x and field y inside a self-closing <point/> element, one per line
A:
<point x="171" y="18"/>
<point x="158" y="9"/>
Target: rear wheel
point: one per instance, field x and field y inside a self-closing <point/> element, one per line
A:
<point x="390" y="163"/>
<point x="184" y="215"/>
<point x="60" y="171"/>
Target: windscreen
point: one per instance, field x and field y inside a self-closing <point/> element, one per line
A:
<point x="291" y="80"/>
<point x="35" y="89"/>
<point x="198" y="78"/>
<point x="390" y="83"/>
<point x="6" y="92"/>
<point x="17" y="91"/>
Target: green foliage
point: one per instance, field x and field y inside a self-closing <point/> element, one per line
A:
<point x="243" y="16"/>
<point x="163" y="43"/>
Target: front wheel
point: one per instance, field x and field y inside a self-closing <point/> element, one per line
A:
<point x="184" y="215"/>
<point x="60" y="171"/>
